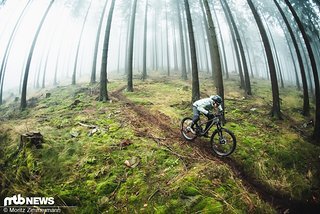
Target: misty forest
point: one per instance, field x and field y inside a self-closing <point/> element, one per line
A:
<point x="95" y="95"/>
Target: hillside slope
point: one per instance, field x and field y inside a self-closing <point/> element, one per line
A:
<point x="127" y="155"/>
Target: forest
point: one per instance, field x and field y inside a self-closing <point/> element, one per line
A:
<point x="94" y="96"/>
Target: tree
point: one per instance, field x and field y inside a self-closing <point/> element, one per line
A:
<point x="103" y="74"/>
<point x="217" y="66"/>
<point x="195" y="79"/>
<point x="167" y="37"/>
<point x="96" y="47"/>
<point x="23" y="104"/>
<point x="275" y="111"/>
<point x="235" y="48"/>
<point x="7" y="50"/>
<point x="242" y="54"/>
<point x="316" y="132"/>
<point x="306" y="105"/>
<point x="183" y="58"/>
<point x="222" y="45"/>
<point x="144" y="69"/>
<point x="78" y="46"/>
<point x="130" y="48"/>
<point x="210" y="42"/>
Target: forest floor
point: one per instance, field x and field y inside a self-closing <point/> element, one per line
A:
<point x="127" y="155"/>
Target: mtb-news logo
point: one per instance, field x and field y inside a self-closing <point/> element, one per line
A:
<point x="18" y="204"/>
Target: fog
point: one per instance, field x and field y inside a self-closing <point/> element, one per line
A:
<point x="59" y="37"/>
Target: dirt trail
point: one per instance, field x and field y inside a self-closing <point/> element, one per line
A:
<point x="145" y="125"/>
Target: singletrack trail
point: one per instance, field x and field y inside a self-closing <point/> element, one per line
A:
<point x="147" y="123"/>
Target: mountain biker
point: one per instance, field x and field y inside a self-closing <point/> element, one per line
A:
<point x="205" y="106"/>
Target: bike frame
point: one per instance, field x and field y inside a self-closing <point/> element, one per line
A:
<point x="213" y="122"/>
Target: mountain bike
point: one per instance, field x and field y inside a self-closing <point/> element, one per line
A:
<point x="223" y="141"/>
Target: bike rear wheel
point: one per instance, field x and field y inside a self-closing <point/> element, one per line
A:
<point x="223" y="142"/>
<point x="185" y="129"/>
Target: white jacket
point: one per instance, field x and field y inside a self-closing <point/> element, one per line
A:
<point x="204" y="105"/>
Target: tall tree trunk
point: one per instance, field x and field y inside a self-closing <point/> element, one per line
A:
<point x="96" y="47"/>
<point x="217" y="66"/>
<point x="186" y="44"/>
<point x="183" y="59"/>
<point x="272" y="69"/>
<point x="144" y="70"/>
<point x="222" y="45"/>
<point x="155" y="41"/>
<point x="23" y="104"/>
<point x="119" y="49"/>
<point x="195" y="79"/>
<point x="130" y="48"/>
<point x="175" y="54"/>
<point x="167" y="42"/>
<point x="210" y="42"/>
<point x="205" y="51"/>
<point x="7" y="50"/>
<point x="248" y="54"/>
<point x="316" y="132"/>
<point x="104" y="60"/>
<point x="126" y="48"/>
<point x="45" y="71"/>
<point x="294" y="64"/>
<point x="275" y="52"/>
<point x="78" y="46"/>
<point x="243" y="56"/>
<point x="235" y="46"/>
<point x="306" y="104"/>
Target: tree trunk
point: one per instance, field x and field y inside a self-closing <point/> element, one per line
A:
<point x="272" y="69"/>
<point x="222" y="45"/>
<point x="183" y="59"/>
<point x="195" y="79"/>
<point x="7" y="51"/>
<point x="243" y="56"/>
<point x="276" y="53"/>
<point x="119" y="49"/>
<point x="144" y="70"/>
<point x="130" y="48"/>
<point x="210" y="42"/>
<point x="167" y="42"/>
<point x="23" y="104"/>
<point x="186" y="44"/>
<point x="155" y="41"/>
<point x="104" y="60"/>
<point x="96" y="47"/>
<point x="316" y="132"/>
<point x="78" y="46"/>
<point x="236" y="47"/>
<point x="306" y="104"/>
<point x="217" y="66"/>
<point x="248" y="54"/>
<point x="175" y="54"/>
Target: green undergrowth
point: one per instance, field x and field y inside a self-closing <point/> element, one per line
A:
<point x="94" y="160"/>
<point x="269" y="150"/>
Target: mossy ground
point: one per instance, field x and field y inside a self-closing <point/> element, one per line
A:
<point x="87" y="169"/>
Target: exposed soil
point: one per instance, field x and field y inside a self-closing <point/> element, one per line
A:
<point x="147" y="123"/>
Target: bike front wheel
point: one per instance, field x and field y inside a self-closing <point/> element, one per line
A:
<point x="223" y="142"/>
<point x="186" y="129"/>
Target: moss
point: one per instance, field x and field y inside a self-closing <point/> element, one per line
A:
<point x="208" y="205"/>
<point x="106" y="187"/>
<point x="190" y="191"/>
<point x="22" y="173"/>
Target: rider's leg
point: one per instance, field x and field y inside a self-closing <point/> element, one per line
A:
<point x="208" y="123"/>
<point x="196" y="116"/>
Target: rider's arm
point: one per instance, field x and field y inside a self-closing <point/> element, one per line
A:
<point x="203" y="110"/>
<point x="220" y="108"/>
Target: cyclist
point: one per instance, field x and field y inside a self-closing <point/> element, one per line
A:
<point x="205" y="106"/>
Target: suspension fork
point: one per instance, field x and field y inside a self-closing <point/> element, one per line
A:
<point x="219" y="130"/>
